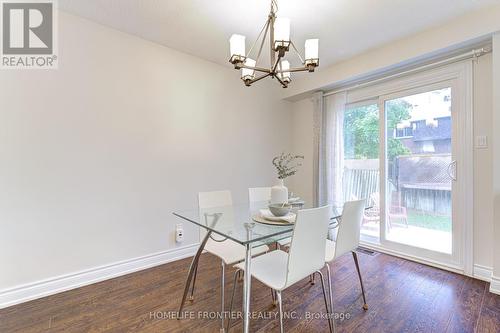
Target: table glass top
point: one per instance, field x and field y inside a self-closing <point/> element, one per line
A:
<point x="235" y="222"/>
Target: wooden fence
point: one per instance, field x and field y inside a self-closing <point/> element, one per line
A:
<point x="361" y="180"/>
<point x="427" y="200"/>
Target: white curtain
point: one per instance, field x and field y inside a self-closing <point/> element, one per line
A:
<point x="329" y="142"/>
<point x="317" y="100"/>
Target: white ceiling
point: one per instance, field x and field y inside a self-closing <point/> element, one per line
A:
<point x="203" y="27"/>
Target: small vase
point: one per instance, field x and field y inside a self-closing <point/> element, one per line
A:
<point x="279" y="193"/>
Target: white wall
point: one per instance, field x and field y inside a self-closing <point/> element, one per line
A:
<point x="95" y="156"/>
<point x="495" y="285"/>
<point x="302" y="128"/>
<point x="483" y="166"/>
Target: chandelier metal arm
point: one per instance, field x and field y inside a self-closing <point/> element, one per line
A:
<point x="297" y="52"/>
<point x="263" y="41"/>
<point x="258" y="69"/>
<point x="298" y="69"/>
<point x="264" y="29"/>
<point x="270" y="71"/>
<point x="249" y="82"/>
<point x="272" y="16"/>
<point x="283" y="84"/>
<point x="275" y="66"/>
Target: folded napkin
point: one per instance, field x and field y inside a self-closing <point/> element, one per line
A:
<point x="266" y="213"/>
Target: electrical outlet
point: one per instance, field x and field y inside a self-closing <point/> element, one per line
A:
<point x="179" y="233"/>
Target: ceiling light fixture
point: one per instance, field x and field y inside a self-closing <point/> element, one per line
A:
<point x="280" y="43"/>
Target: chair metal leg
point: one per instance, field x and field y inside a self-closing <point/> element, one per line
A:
<point x="273" y="296"/>
<point x="330" y="290"/>
<point x="331" y="324"/>
<point x="280" y="305"/>
<point x="237" y="274"/>
<point x="191" y="297"/>
<point x="355" y="257"/>
<point x="222" y="279"/>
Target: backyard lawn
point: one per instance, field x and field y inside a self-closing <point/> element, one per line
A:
<point x="429" y="221"/>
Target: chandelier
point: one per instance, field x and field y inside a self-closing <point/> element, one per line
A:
<point x="280" y="43"/>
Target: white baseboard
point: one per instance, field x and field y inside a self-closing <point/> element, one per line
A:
<point x="495" y="285"/>
<point x="486" y="274"/>
<point x="402" y="255"/>
<point x="483" y="272"/>
<point x="28" y="292"/>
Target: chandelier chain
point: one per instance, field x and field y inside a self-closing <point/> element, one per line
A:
<point x="274" y="6"/>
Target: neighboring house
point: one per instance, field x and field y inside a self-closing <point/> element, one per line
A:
<point x="420" y="179"/>
<point x="426" y="136"/>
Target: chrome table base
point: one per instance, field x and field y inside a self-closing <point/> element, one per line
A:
<point x="193" y="270"/>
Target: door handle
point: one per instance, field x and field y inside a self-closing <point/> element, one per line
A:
<point x="452" y="170"/>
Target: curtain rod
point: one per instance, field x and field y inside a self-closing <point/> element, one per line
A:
<point x="468" y="55"/>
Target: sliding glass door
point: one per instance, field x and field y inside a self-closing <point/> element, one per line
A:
<point x="407" y="150"/>
<point x="422" y="197"/>
<point x="420" y="169"/>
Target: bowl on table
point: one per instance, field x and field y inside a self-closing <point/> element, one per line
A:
<point x="280" y="209"/>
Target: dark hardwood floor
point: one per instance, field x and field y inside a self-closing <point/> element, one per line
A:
<point x="403" y="296"/>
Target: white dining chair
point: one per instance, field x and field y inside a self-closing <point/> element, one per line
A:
<point x="279" y="270"/>
<point x="347" y="241"/>
<point x="227" y="250"/>
<point x="261" y="194"/>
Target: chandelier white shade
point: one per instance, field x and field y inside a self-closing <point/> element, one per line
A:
<point x="312" y="50"/>
<point x="285" y="67"/>
<point x="278" y="31"/>
<point x="281" y="32"/>
<point x="248" y="73"/>
<point x="237" y="46"/>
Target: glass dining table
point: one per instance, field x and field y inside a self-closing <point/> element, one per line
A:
<point x="237" y="223"/>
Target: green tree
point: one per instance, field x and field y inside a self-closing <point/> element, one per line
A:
<point x="361" y="130"/>
<point x="397" y="111"/>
